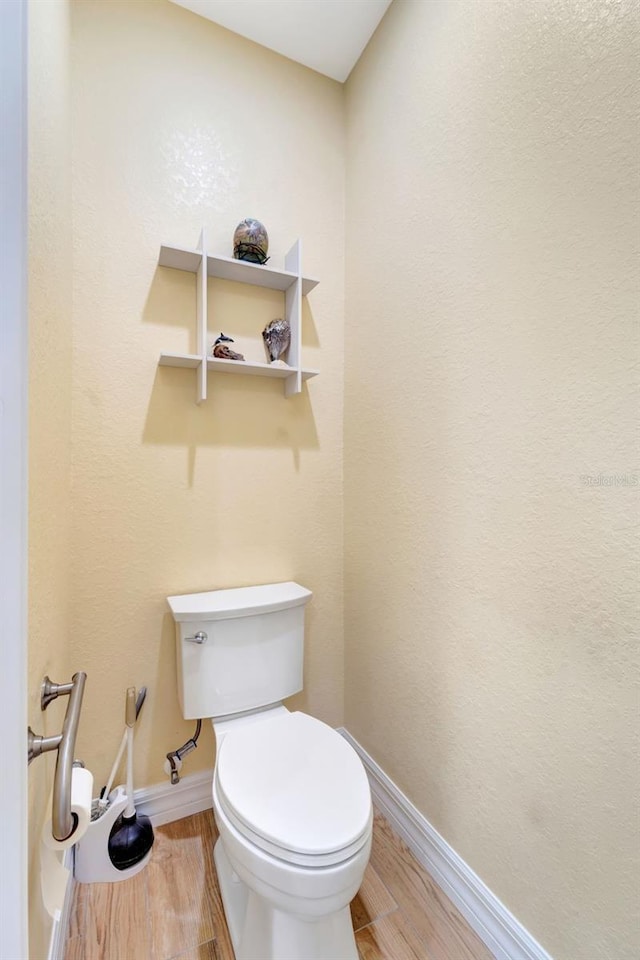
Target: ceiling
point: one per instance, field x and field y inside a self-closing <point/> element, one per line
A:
<point x="326" y="35"/>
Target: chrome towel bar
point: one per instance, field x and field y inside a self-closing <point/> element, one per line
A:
<point x="63" y="821"/>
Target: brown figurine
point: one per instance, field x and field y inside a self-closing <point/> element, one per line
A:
<point x="222" y="351"/>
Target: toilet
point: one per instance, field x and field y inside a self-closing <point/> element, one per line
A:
<point x="291" y="798"/>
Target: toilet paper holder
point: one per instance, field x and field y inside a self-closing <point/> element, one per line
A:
<point x="63" y="821"/>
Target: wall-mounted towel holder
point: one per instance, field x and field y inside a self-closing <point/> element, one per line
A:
<point x="63" y="821"/>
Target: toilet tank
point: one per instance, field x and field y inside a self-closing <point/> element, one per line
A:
<point x="250" y="649"/>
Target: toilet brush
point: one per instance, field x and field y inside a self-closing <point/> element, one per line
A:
<point x="103" y="802"/>
<point x="131" y="836"/>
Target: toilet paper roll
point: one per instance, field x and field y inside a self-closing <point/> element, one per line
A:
<point x="54" y="876"/>
<point x="81" y="792"/>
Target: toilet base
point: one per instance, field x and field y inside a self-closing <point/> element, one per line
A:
<point x="261" y="932"/>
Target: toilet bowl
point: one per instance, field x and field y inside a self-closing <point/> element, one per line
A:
<point x="293" y="809"/>
<point x="291" y="798"/>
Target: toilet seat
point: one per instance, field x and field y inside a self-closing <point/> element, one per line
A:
<point x="296" y="789"/>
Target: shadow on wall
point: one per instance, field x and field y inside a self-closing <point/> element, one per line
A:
<point x="309" y="331"/>
<point x="244" y="412"/>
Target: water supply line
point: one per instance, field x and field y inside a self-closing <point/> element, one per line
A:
<point x="175" y="757"/>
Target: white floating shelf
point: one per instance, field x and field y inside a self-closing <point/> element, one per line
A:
<point x="240" y="367"/>
<point x="289" y="281"/>
<point x="179" y="360"/>
<point x="190" y="360"/>
<point x="225" y="268"/>
<point x="180" y="259"/>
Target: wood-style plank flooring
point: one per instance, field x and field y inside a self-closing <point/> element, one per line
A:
<point x="172" y="909"/>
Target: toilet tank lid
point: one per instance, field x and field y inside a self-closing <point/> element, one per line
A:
<point x="238" y="601"/>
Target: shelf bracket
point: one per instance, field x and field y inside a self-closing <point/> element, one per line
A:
<point x="293" y="312"/>
<point x="201" y="320"/>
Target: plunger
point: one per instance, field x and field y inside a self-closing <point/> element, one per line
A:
<point x="131" y="835"/>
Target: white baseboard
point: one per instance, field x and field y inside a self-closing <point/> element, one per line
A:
<point x="502" y="933"/>
<point x="60" y="926"/>
<point x="164" y="802"/>
<point x="495" y="925"/>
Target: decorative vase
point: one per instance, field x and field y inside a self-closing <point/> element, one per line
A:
<point x="277" y="337"/>
<point x="251" y="241"/>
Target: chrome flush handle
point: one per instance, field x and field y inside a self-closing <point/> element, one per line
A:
<point x="199" y="637"/>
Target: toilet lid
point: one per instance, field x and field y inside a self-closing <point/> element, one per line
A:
<point x="295" y="786"/>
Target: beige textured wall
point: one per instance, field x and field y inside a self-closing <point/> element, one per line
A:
<point x="49" y="405"/>
<point x="490" y="343"/>
<point x="179" y="123"/>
